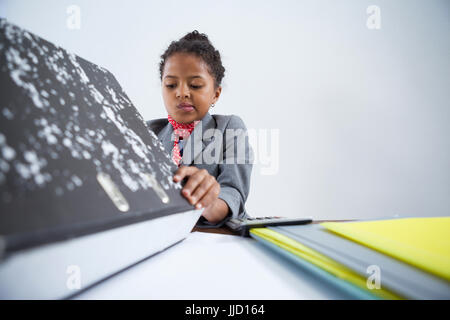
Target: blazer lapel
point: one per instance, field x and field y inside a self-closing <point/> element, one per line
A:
<point x="165" y="136"/>
<point x="195" y="144"/>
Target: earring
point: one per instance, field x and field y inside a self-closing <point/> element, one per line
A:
<point x="212" y="105"/>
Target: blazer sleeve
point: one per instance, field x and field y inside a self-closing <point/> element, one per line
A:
<point x="235" y="172"/>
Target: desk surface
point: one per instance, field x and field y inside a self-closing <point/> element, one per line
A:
<point x="214" y="265"/>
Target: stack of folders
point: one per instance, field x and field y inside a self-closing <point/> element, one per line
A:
<point x="405" y="258"/>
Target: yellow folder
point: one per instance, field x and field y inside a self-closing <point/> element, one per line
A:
<point x="422" y="242"/>
<point x="320" y="260"/>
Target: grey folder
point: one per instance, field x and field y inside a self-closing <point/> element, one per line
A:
<point x="86" y="188"/>
<point x="398" y="277"/>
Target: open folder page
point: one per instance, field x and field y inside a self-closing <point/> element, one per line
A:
<point x="421" y="242"/>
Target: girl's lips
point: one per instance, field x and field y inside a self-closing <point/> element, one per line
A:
<point x="186" y="107"/>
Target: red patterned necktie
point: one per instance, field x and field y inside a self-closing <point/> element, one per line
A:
<point x="182" y="130"/>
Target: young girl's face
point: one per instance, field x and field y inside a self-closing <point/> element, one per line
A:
<point x="187" y="87"/>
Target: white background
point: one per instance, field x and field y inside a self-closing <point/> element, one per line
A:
<point x="363" y="115"/>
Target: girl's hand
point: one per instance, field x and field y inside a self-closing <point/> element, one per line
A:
<point x="201" y="189"/>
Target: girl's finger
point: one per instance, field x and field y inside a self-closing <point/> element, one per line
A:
<point x="209" y="196"/>
<point x="183" y="172"/>
<point x="194" y="181"/>
<point x="202" y="188"/>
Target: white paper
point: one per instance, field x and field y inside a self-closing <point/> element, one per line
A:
<point x="213" y="266"/>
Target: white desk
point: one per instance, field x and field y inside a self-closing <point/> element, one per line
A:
<point x="214" y="266"/>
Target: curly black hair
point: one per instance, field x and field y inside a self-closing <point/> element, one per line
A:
<point x="199" y="45"/>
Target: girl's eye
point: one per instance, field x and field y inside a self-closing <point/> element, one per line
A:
<point x="171" y="86"/>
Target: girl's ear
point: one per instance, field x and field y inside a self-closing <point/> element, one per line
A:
<point x="217" y="94"/>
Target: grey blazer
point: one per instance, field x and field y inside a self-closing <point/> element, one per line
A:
<point x="219" y="144"/>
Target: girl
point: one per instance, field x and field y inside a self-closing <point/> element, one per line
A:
<point x="191" y="72"/>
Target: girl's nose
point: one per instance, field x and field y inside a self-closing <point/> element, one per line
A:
<point x="183" y="92"/>
<point x="185" y="95"/>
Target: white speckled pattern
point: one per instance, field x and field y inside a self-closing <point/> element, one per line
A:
<point x="53" y="139"/>
<point x="63" y="120"/>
